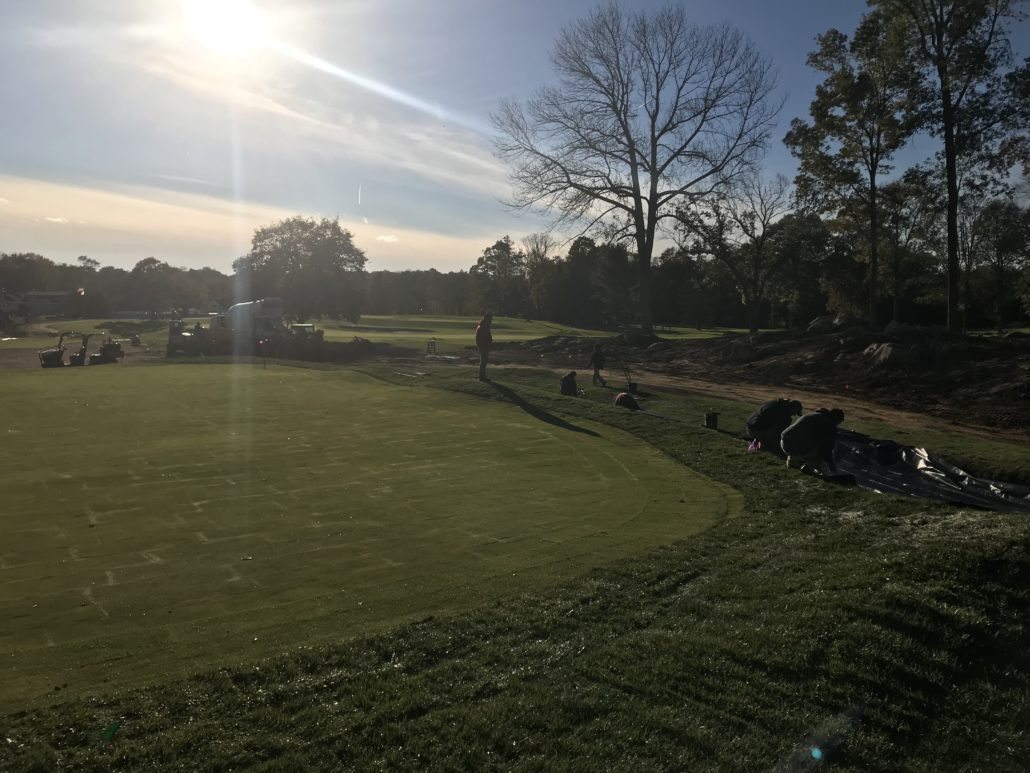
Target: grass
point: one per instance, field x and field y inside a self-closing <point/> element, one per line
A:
<point x="44" y="335"/>
<point x="452" y="334"/>
<point x="825" y="626"/>
<point x="175" y="518"/>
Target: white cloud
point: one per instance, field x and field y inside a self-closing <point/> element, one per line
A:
<point x="61" y="220"/>
<point x="174" y="178"/>
<point x="4" y="201"/>
<point x="444" y="153"/>
<point x="120" y="226"/>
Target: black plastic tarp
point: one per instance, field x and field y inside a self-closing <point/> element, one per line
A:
<point x="890" y="468"/>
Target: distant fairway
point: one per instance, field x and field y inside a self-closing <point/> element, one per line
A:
<point x="160" y="519"/>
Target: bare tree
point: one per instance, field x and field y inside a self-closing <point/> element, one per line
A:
<point x="649" y="110"/>
<point x="735" y="229"/>
<point x="539" y="246"/>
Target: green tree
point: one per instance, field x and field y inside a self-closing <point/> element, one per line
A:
<point x="961" y="45"/>
<point x="24" y="271"/>
<point x="800" y="242"/>
<point x="313" y="265"/>
<point x="502" y="270"/>
<point x="1004" y="229"/>
<point x="648" y="110"/>
<point x="1015" y="148"/>
<point x="908" y="223"/>
<point x="862" y="115"/>
<point x="150" y="286"/>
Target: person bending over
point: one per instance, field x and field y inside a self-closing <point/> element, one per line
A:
<point x="810" y="440"/>
<point x="626" y="400"/>
<point x="768" y="422"/>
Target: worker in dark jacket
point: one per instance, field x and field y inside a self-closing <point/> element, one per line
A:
<point x="484" y="340"/>
<point x="768" y="422"/>
<point x="567" y="385"/>
<point x="811" y="438"/>
<point x="626" y="400"/>
<point x="597" y="362"/>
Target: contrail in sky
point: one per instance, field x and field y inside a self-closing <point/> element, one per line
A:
<point x="376" y="87"/>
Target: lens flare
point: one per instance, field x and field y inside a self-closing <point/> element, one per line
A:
<point x="229" y="28"/>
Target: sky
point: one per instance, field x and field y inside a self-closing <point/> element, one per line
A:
<point x="174" y="128"/>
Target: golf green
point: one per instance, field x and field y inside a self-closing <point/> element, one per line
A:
<point x="161" y="519"/>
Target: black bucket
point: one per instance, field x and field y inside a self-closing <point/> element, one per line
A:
<point x="711" y="420"/>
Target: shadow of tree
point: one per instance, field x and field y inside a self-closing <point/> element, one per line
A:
<point x="538" y="413"/>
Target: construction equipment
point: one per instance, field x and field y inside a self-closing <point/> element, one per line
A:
<point x="110" y="351"/>
<point x="253" y="327"/>
<point x="79" y="357"/>
<point x="54" y="358"/>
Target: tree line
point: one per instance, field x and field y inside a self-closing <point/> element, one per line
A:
<point x="794" y="268"/>
<point x="649" y="151"/>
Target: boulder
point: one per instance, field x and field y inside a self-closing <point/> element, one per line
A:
<point x="820" y="325"/>
<point x="846" y="320"/>
<point x="890" y="356"/>
<point x="894" y="329"/>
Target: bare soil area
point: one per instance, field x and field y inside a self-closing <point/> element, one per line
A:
<point x="970" y="381"/>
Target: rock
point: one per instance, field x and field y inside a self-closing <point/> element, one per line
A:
<point x="894" y="329"/>
<point x="742" y="352"/>
<point x="890" y="355"/>
<point x="846" y="320"/>
<point x="820" y="325"/>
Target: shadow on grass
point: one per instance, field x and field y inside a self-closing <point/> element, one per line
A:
<point x="538" y="413"/>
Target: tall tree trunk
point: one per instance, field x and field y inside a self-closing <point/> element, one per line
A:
<point x="644" y="284"/>
<point x="951" y="167"/>
<point x="874" y="252"/>
<point x="966" y="295"/>
<point x="752" y="315"/>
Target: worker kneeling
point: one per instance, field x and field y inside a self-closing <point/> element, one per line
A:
<point x="766" y="424"/>
<point x="809" y="441"/>
<point x="567" y="384"/>
<point x="626" y="400"/>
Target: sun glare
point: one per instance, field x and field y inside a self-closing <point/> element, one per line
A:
<point x="230" y="28"/>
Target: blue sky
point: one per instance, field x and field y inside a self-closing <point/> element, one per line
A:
<point x="173" y="128"/>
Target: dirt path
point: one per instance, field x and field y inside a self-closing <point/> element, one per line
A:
<point x="852" y="407"/>
<point x="862" y="409"/>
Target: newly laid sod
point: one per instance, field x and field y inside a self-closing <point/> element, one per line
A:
<point x="162" y="519"/>
<point x="822" y="627"/>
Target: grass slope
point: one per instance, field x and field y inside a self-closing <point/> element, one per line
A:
<point x="825" y="626"/>
<point x="452" y="334"/>
<point x="168" y="519"/>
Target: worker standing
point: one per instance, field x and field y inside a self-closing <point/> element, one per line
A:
<point x="484" y="340"/>
<point x="597" y="362"/>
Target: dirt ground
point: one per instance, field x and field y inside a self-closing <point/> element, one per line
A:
<point x="980" y="383"/>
